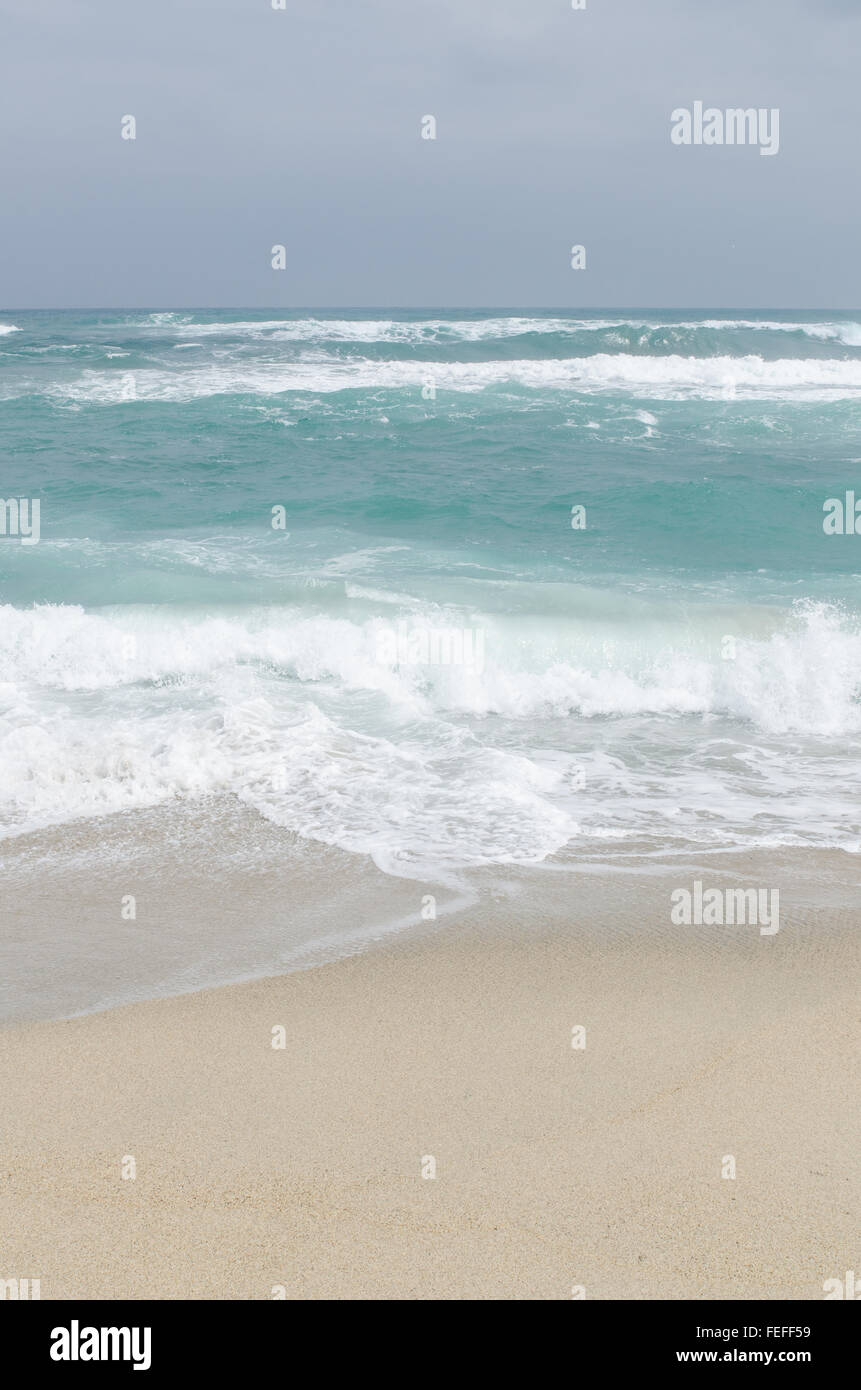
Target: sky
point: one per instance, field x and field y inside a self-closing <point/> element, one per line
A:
<point x="302" y="126"/>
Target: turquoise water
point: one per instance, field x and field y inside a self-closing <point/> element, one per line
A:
<point x="428" y="664"/>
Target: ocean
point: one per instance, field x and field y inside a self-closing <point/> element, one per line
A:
<point x="439" y="589"/>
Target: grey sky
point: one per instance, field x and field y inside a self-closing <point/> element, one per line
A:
<point x="258" y="126"/>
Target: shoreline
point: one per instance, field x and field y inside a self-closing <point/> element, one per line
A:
<point x="173" y="900"/>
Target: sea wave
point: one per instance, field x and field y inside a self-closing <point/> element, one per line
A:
<point x="797" y="673"/>
<point x="437" y="330"/>
<point x="657" y="378"/>
<point x="327" y="727"/>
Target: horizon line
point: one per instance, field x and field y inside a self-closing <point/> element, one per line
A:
<point x="438" y="308"/>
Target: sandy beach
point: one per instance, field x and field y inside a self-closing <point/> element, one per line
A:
<point x="302" y="1168"/>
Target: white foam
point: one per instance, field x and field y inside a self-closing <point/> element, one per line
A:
<point x="417" y="331"/>
<point x="660" y="378"/>
<point x="391" y="330"/>
<point x="427" y="768"/>
<point x="797" y="674"/>
<point x="168" y="318"/>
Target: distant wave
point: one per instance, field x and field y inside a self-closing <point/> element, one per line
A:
<point x="168" y="318"/>
<point x="848" y="333"/>
<point x="8" y="328"/>
<point x="432" y="330"/>
<point x="394" y="330"/>
<point x="660" y="378"/>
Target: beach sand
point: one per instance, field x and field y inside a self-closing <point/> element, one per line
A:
<point x="599" y="1167"/>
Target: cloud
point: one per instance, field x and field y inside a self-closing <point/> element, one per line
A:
<point x="302" y="126"/>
